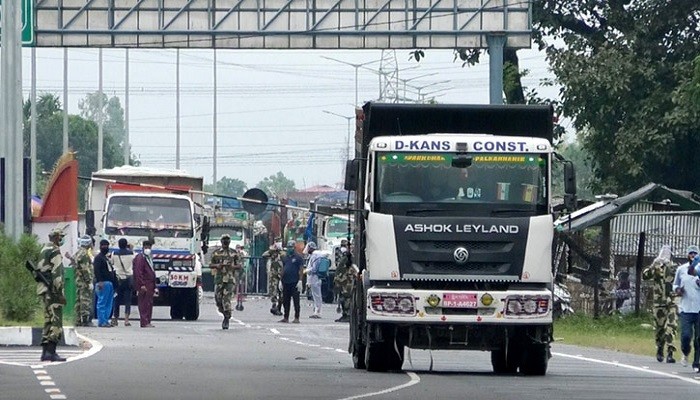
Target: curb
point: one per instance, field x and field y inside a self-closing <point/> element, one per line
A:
<point x="28" y="336"/>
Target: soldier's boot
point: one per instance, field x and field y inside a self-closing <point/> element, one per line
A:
<point x="87" y="322"/>
<point x="343" y="318"/>
<point x="278" y="311"/>
<point x="660" y="354"/>
<point x="273" y="310"/>
<point x="224" y="324"/>
<point x="51" y="353"/>
<point x="669" y="357"/>
<point x="44" y="357"/>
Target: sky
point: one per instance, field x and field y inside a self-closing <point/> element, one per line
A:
<point x="277" y="110"/>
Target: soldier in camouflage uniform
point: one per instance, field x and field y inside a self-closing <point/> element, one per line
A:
<point x="226" y="262"/>
<point x="51" y="267"/>
<point x="82" y="265"/>
<point x="662" y="272"/>
<point x="274" y="275"/>
<point x="343" y="280"/>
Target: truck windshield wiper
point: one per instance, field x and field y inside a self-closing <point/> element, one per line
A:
<point x="422" y="210"/>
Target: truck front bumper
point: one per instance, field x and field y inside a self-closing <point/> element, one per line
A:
<point x="512" y="307"/>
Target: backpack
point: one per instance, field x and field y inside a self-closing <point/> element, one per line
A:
<point x="324" y="264"/>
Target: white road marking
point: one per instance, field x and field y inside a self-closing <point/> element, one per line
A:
<point x="415" y="379"/>
<point x="627" y="366"/>
<point x="275" y="331"/>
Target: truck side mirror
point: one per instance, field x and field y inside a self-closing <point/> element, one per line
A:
<point x="352" y="169"/>
<point x="569" y="178"/>
<point x="90" y="223"/>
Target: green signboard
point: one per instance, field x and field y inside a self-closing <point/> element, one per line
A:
<point x="27" y="22"/>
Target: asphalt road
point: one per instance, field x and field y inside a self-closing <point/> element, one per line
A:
<point x="259" y="358"/>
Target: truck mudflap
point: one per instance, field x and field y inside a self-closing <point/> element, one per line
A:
<point x="512" y="307"/>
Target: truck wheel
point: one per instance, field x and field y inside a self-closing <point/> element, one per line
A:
<point x="535" y="359"/>
<point x="376" y="357"/>
<point x="506" y="359"/>
<point x="175" y="304"/>
<point x="191" y="304"/>
<point x="357" y="346"/>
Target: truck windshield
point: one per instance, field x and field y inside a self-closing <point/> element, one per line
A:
<point x="493" y="185"/>
<point x="235" y="232"/>
<point x="337" y="227"/>
<point x="139" y="216"/>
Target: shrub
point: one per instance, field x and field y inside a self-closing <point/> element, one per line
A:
<point x="17" y="286"/>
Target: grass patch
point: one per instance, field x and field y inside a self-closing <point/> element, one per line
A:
<point x="37" y="321"/>
<point x="625" y="333"/>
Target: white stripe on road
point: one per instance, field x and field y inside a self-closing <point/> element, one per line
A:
<point x="414" y="380"/>
<point x="275" y="331"/>
<point x="627" y="366"/>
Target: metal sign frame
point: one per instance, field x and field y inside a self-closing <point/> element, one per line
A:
<point x="282" y="24"/>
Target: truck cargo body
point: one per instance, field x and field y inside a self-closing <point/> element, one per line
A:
<point x="453" y="240"/>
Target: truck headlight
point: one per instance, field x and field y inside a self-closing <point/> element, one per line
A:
<point x="527" y="305"/>
<point x="393" y="303"/>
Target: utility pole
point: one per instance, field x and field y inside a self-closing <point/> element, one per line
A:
<point x="177" y="108"/>
<point x="32" y="126"/>
<point x="100" y="116"/>
<point x="215" y="121"/>
<point x="11" y="117"/>
<point x="349" y="119"/>
<point x="65" y="100"/>
<point x="127" y="147"/>
<point x="356" y="66"/>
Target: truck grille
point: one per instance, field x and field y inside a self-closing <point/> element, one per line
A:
<point x="471" y="246"/>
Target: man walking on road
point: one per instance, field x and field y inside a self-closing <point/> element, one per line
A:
<point x="226" y="262"/>
<point x="274" y="273"/>
<point x="123" y="265"/>
<point x="662" y="273"/>
<point x="689" y="291"/>
<point x="145" y="283"/>
<point x="313" y="280"/>
<point x="51" y="267"/>
<point x="292" y="271"/>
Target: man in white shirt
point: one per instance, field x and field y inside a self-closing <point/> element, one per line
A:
<point x="688" y="288"/>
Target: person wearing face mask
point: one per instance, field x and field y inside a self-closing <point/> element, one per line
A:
<point x="292" y="272"/>
<point x="104" y="287"/>
<point x="51" y="266"/>
<point x="145" y="284"/>
<point x="227" y="263"/>
<point x="274" y="272"/>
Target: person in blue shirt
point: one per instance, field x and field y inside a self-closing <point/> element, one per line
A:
<point x="292" y="271"/>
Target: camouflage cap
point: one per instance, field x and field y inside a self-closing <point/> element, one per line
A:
<point x="57" y="232"/>
<point x="225" y="236"/>
<point x="85" y="241"/>
<point x="693" y="249"/>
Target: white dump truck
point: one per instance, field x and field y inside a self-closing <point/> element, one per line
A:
<point x="453" y="233"/>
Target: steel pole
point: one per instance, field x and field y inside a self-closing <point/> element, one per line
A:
<point x="100" y="115"/>
<point x="11" y="112"/>
<point x="32" y="126"/>
<point x="65" y="99"/>
<point x="177" y="108"/>
<point x="496" y="44"/>
<point x="215" y="121"/>
<point x="127" y="147"/>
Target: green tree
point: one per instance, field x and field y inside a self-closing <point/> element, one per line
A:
<point x="112" y="114"/>
<point x="228" y="186"/>
<point x="626" y="71"/>
<point x="82" y="138"/>
<point x="277" y="185"/>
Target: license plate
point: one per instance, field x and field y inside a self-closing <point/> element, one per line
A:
<point x="459" y="300"/>
<point x="179" y="280"/>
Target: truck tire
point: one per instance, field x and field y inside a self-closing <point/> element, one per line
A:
<point x="507" y="358"/>
<point x="385" y="355"/>
<point x="175" y="298"/>
<point x="190" y="304"/>
<point x="535" y="359"/>
<point x="357" y="344"/>
<point x="375" y="357"/>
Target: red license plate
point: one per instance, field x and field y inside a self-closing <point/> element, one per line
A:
<point x="459" y="300"/>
